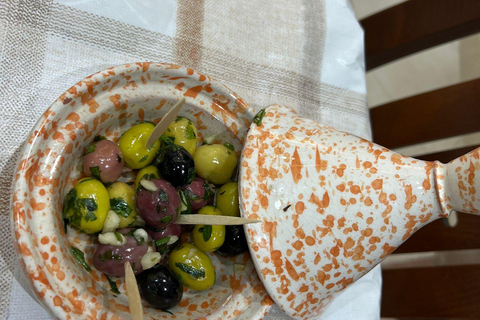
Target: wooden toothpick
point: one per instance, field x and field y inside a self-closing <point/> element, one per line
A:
<point x="134" y="300"/>
<point x="165" y="122"/>
<point x="213" y="220"/>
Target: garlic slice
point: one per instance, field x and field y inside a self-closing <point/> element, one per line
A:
<point x="172" y="240"/>
<point x="150" y="259"/>
<point x="112" y="221"/>
<point x="209" y="140"/>
<point x="112" y="238"/>
<point x="140" y="235"/>
<point x="149" y="185"/>
<point x="139" y="222"/>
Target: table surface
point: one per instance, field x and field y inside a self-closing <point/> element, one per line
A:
<point x="307" y="55"/>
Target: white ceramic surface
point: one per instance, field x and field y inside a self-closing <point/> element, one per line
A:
<point x="334" y="205"/>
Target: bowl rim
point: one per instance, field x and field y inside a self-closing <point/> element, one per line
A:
<point x="23" y="242"/>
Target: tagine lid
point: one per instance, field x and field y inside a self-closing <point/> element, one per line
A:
<point x="284" y="182"/>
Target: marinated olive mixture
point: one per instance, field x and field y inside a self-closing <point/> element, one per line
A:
<point x="135" y="222"/>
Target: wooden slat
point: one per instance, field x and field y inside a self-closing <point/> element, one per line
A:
<point x="445" y="258"/>
<point x="437" y="114"/>
<point x="447" y="156"/>
<point x="416" y="25"/>
<point x="437" y="292"/>
<point x="437" y="236"/>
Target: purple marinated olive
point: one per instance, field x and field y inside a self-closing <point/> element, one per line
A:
<point x="198" y="193"/>
<point x="110" y="259"/>
<point x="103" y="160"/>
<point x="158" y="203"/>
<point x="164" y="238"/>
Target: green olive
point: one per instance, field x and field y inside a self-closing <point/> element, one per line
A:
<point x="122" y="202"/>
<point x="149" y="173"/>
<point x="86" y="206"/>
<point x="215" y="163"/>
<point x="192" y="266"/>
<point x="227" y="199"/>
<point x="184" y="133"/>
<point x="207" y="237"/>
<point x="132" y="143"/>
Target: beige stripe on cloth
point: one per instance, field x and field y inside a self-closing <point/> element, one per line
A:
<point x="188" y="40"/>
<point x="267" y="53"/>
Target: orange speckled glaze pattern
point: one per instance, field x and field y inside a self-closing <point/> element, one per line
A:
<point x="334" y="205"/>
<point x="108" y="103"/>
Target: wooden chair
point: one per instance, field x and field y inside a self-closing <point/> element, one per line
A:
<point x="425" y="292"/>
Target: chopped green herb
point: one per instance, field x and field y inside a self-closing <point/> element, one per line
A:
<point x="185" y="206"/>
<point x="120" y="207"/>
<point x="90" y="216"/>
<point x="167" y="311"/>
<point x="209" y="190"/>
<point x="150" y="176"/>
<point x="113" y="285"/>
<point x="95" y="172"/>
<point x="140" y="240"/>
<point x="109" y="255"/>
<point x="88" y="203"/>
<point x="78" y="254"/>
<point x="167" y="219"/>
<point x="70" y="200"/>
<point x="90" y="149"/>
<point x="189" y="195"/>
<point x="71" y="210"/>
<point x="99" y="138"/>
<point x="190" y="133"/>
<point x="207" y="232"/>
<point x="191" y="174"/>
<point x="164" y="249"/>
<point x="144" y="158"/>
<point x="118" y="235"/>
<point x="190" y="270"/>
<point x="259" y="117"/>
<point x="163" y="195"/>
<point x="161" y="242"/>
<point x="229" y="146"/>
<point x="167" y="140"/>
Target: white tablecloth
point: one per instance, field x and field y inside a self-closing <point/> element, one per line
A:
<point x="304" y="54"/>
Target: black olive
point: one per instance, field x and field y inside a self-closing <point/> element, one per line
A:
<point x="235" y="241"/>
<point x="175" y="164"/>
<point x="160" y="287"/>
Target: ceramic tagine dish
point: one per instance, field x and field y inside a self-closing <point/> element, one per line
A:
<point x="331" y="205"/>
